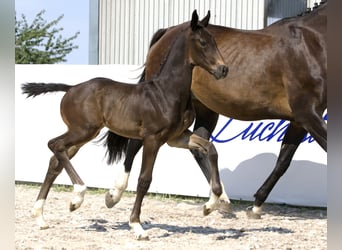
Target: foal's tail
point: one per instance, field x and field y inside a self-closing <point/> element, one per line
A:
<point x="34" y="89"/>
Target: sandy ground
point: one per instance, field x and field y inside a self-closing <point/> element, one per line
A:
<point x="172" y="223"/>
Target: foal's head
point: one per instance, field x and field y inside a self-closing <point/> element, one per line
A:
<point x="203" y="50"/>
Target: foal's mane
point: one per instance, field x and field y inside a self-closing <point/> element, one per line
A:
<point x="169" y="49"/>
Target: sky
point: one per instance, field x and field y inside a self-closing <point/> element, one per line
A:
<point x="76" y="18"/>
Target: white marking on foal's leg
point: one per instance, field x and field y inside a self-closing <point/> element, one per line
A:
<point x="139" y="232"/>
<point x="37" y="213"/>
<point x="79" y="192"/>
<point x="113" y="196"/>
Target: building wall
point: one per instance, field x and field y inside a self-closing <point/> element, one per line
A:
<point x="126" y="26"/>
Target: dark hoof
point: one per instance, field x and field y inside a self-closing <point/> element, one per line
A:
<point x="206" y="211"/>
<point x="252" y="215"/>
<point x="73" y="207"/>
<point x="109" y="200"/>
<point x="142" y="238"/>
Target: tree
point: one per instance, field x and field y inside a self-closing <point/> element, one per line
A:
<point x="40" y="42"/>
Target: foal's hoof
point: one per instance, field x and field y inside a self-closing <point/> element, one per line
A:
<point x="109" y="200"/>
<point x="139" y="232"/>
<point x="74" y="206"/>
<point x="142" y="237"/>
<point x="252" y="215"/>
<point x="43" y="227"/>
<point x="206" y="210"/>
<point x="42" y="224"/>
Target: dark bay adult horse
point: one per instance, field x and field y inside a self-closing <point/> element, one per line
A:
<point x="155" y="111"/>
<point x="279" y="72"/>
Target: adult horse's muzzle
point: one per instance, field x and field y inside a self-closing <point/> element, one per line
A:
<point x="221" y="72"/>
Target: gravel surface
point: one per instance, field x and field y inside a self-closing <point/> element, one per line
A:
<point x="172" y="223"/>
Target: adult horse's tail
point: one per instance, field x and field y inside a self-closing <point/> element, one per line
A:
<point x="116" y="144"/>
<point x="34" y="89"/>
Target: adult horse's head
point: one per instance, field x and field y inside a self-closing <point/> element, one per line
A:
<point x="203" y="51"/>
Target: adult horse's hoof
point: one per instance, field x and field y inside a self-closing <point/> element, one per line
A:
<point x="252" y="215"/>
<point x="223" y="206"/>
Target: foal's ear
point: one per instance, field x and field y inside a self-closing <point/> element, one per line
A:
<point x="194" y="21"/>
<point x="205" y="20"/>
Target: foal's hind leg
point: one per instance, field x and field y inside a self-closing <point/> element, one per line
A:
<point x="60" y="145"/>
<point x="113" y="196"/>
<point x="64" y="148"/>
<point x="55" y="168"/>
<point x="293" y="137"/>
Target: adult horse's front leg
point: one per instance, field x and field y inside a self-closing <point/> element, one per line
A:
<point x="217" y="189"/>
<point x="205" y="124"/>
<point x="150" y="151"/>
<point x="192" y="141"/>
<point x="293" y="137"/>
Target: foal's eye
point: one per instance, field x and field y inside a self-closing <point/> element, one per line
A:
<point x="203" y="43"/>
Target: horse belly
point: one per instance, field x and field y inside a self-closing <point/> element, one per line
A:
<point x="241" y="100"/>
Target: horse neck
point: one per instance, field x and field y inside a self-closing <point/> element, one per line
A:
<point x="317" y="19"/>
<point x="177" y="68"/>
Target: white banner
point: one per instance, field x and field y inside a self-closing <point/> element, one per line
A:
<point x="247" y="150"/>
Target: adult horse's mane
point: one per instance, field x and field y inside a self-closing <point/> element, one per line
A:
<point x="314" y="8"/>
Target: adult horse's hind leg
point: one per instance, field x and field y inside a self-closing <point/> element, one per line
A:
<point x="293" y="137"/>
<point x="55" y="168"/>
<point x="113" y="196"/>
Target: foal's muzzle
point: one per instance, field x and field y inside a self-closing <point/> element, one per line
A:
<point x="221" y="72"/>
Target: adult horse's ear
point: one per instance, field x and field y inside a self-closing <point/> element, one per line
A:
<point x="205" y="20"/>
<point x="194" y="21"/>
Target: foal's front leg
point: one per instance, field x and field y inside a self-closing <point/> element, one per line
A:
<point x="150" y="151"/>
